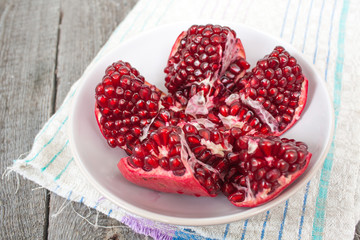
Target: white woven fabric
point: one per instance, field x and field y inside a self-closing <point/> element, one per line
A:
<point x="325" y="31"/>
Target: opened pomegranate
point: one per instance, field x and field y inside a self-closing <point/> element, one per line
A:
<point x="198" y="60"/>
<point x="202" y="54"/>
<point x="266" y="166"/>
<point x="216" y="130"/>
<point x="125" y="105"/>
<point x="199" y="161"/>
<point x="174" y="160"/>
<point x="276" y="89"/>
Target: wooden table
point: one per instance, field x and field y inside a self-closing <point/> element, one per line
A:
<point x="44" y="48"/>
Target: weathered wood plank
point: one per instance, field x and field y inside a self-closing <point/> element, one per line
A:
<point x="85" y="27"/>
<point x="28" y="36"/>
<point x="357" y="232"/>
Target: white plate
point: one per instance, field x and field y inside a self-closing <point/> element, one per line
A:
<point x="148" y="53"/>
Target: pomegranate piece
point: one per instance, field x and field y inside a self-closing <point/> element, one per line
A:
<point x="199" y="59"/>
<point x="125" y="105"/>
<point x="166" y="162"/>
<point x="276" y="89"/>
<point x="266" y="167"/>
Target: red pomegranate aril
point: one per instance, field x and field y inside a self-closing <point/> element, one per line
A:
<point x="294" y="168"/>
<point x="151" y="161"/>
<point x="260" y="174"/>
<point x="255" y="164"/>
<point x="273" y="175"/>
<point x="216" y="137"/>
<point x="198" y="150"/>
<point x="137" y="161"/>
<point x="282" y="165"/>
<point x="205" y="134"/>
<point x="290" y="156"/>
<point x="193" y="140"/>
<point x="233" y="158"/>
<point x="237" y="197"/>
<point x="266" y="147"/>
<point x="175" y="163"/>
<point x="190" y="129"/>
<point x="213" y="118"/>
<point x="204" y="157"/>
<point x="228" y="189"/>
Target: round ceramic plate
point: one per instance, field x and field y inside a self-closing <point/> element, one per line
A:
<point x="148" y="53"/>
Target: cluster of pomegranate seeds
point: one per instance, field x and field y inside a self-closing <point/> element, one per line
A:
<point x="277" y="83"/>
<point x="166" y="155"/>
<point x="200" y="55"/>
<point x="216" y="130"/>
<point x="163" y="149"/>
<point x="125" y="105"/>
<point x="233" y="73"/>
<point x="235" y="115"/>
<point x="266" y="164"/>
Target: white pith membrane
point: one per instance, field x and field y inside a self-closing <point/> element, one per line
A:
<point x="197" y="122"/>
<point x="249" y="194"/>
<point x="200" y="104"/>
<point x="229" y="53"/>
<point x="146" y="129"/>
<point x="252" y="146"/>
<point x="216" y="149"/>
<point x="261" y="113"/>
<point x="259" y="110"/>
<point x="188" y="157"/>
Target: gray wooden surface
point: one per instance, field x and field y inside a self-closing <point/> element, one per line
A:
<point x="45" y="45"/>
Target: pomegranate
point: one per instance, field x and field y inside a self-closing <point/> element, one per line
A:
<point x="277" y="89"/>
<point x="266" y="166"/>
<point x="200" y="55"/>
<point x="173" y="160"/>
<point x="197" y="62"/>
<point x="198" y="161"/>
<point x="125" y="105"/>
<point x="217" y="129"/>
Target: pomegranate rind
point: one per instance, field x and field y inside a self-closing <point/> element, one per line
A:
<point x="258" y="200"/>
<point x="240" y="46"/>
<point x="175" y="47"/>
<point x="163" y="181"/>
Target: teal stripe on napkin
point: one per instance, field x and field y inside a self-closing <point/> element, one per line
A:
<point x="319" y="220"/>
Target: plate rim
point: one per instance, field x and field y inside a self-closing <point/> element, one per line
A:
<point x="186" y="221"/>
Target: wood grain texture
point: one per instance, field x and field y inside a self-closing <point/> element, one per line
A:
<point x="84" y="27"/>
<point x="28" y="33"/>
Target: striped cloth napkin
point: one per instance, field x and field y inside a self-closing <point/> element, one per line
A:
<point x="328" y="207"/>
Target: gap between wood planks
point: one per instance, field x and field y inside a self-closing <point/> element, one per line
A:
<point x="52" y="111"/>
